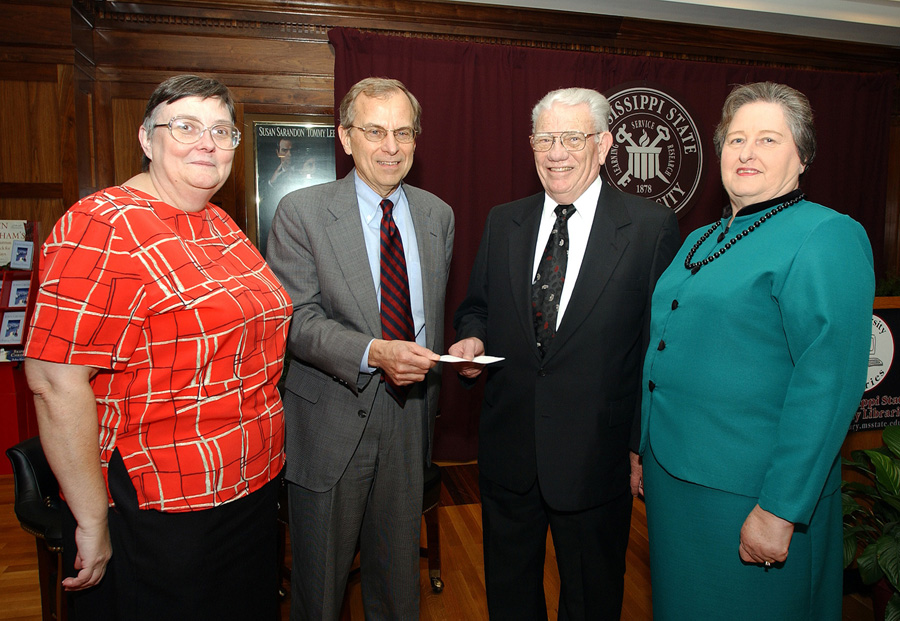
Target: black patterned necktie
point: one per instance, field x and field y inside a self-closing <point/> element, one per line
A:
<point x="547" y="287"/>
<point x="396" y="311"/>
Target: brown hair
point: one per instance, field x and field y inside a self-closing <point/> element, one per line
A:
<point x="179" y="87"/>
<point x="379" y="88"/>
<point x="798" y="114"/>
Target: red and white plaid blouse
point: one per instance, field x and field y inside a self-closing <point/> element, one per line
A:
<point x="188" y="325"/>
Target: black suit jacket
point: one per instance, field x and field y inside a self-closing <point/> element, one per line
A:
<point x="570" y="418"/>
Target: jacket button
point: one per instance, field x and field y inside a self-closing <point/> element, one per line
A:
<point x="542" y="373"/>
<point x="361" y="413"/>
<point x="674" y="304"/>
<point x="661" y="346"/>
<point x="651" y="385"/>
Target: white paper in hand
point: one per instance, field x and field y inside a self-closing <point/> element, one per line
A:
<point x="476" y="359"/>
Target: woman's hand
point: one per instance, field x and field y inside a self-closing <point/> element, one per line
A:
<point x="637" y="475"/>
<point x="94" y="551"/>
<point x="765" y="537"/>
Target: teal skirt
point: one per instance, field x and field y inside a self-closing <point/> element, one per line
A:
<point x="697" y="574"/>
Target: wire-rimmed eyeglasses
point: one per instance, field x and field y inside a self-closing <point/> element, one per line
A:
<point x="373" y="133"/>
<point x="570" y="141"/>
<point x="188" y="131"/>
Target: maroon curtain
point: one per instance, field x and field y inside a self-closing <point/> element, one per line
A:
<point x="474" y="150"/>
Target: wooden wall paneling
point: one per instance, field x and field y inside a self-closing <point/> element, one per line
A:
<point x="68" y="144"/>
<point x="104" y="141"/>
<point x="127" y="115"/>
<point x="85" y="75"/>
<point x="260" y="92"/>
<point x="84" y="138"/>
<point x="36" y="72"/>
<point x="29" y="123"/>
<point x="30" y="177"/>
<point x="182" y="54"/>
<point x="237" y="178"/>
<point x="252" y="88"/>
<point x="44" y="24"/>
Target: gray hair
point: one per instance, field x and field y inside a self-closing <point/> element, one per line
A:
<point x="798" y="114"/>
<point x="378" y="88"/>
<point x="178" y="87"/>
<point x="597" y="104"/>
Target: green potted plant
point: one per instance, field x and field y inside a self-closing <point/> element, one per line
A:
<point x="872" y="517"/>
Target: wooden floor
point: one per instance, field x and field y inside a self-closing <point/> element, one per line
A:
<point x="462" y="563"/>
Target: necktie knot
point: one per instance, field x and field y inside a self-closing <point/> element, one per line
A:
<point x="387" y="217"/>
<point x="563" y="212"/>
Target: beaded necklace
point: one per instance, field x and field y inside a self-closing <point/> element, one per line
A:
<point x="695" y="267"/>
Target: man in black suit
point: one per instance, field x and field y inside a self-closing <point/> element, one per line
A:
<point x="561" y="414"/>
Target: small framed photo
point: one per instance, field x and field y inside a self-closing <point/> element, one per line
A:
<point x="12" y="327"/>
<point x="18" y="292"/>
<point x="21" y="255"/>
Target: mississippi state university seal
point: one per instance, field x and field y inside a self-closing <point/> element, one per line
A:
<point x="881" y="354"/>
<point x="656" y="150"/>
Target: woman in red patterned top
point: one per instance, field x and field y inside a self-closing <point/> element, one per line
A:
<point x="156" y="345"/>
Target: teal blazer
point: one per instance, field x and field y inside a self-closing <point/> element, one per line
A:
<point x="757" y="362"/>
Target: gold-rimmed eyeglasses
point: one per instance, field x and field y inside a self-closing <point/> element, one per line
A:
<point x="570" y="141"/>
<point x="373" y="133"/>
<point x="188" y="131"/>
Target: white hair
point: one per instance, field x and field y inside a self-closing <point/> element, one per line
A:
<point x="597" y="104"/>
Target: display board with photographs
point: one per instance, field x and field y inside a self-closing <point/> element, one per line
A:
<point x="18" y="282"/>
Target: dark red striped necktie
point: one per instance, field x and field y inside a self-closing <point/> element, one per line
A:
<point x="396" y="311"/>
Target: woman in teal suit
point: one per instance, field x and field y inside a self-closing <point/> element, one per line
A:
<point x="759" y="346"/>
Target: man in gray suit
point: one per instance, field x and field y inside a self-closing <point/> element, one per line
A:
<point x="360" y="396"/>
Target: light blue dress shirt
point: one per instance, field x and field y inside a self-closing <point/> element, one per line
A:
<point x="370" y="214"/>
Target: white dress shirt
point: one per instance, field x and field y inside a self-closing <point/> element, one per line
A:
<point x="579" y="225"/>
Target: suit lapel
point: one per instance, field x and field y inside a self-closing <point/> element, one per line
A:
<point x="522" y="241"/>
<point x="349" y="246"/>
<point x="430" y="248"/>
<point x="606" y="245"/>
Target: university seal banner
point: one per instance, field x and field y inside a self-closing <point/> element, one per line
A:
<point x="880" y="404"/>
<point x="656" y="151"/>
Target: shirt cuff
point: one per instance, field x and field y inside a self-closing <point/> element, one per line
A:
<point x="364" y="363"/>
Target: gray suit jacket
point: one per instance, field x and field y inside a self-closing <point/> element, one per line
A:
<point x="317" y="250"/>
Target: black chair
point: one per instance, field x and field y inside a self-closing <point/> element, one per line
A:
<point x="37" y="506"/>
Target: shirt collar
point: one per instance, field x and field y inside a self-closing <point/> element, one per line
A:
<point x="370" y="201"/>
<point x="585" y="205"/>
<point x="755" y="208"/>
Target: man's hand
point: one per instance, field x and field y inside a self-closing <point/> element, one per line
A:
<point x="765" y="537"/>
<point x="468" y="349"/>
<point x="637" y="475"/>
<point x="403" y="362"/>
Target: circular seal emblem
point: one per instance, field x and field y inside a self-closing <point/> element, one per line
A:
<point x="881" y="353"/>
<point x="656" y="150"/>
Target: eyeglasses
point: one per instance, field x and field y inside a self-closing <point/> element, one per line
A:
<point x="404" y="135"/>
<point x="571" y="141"/>
<point x="188" y="131"/>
